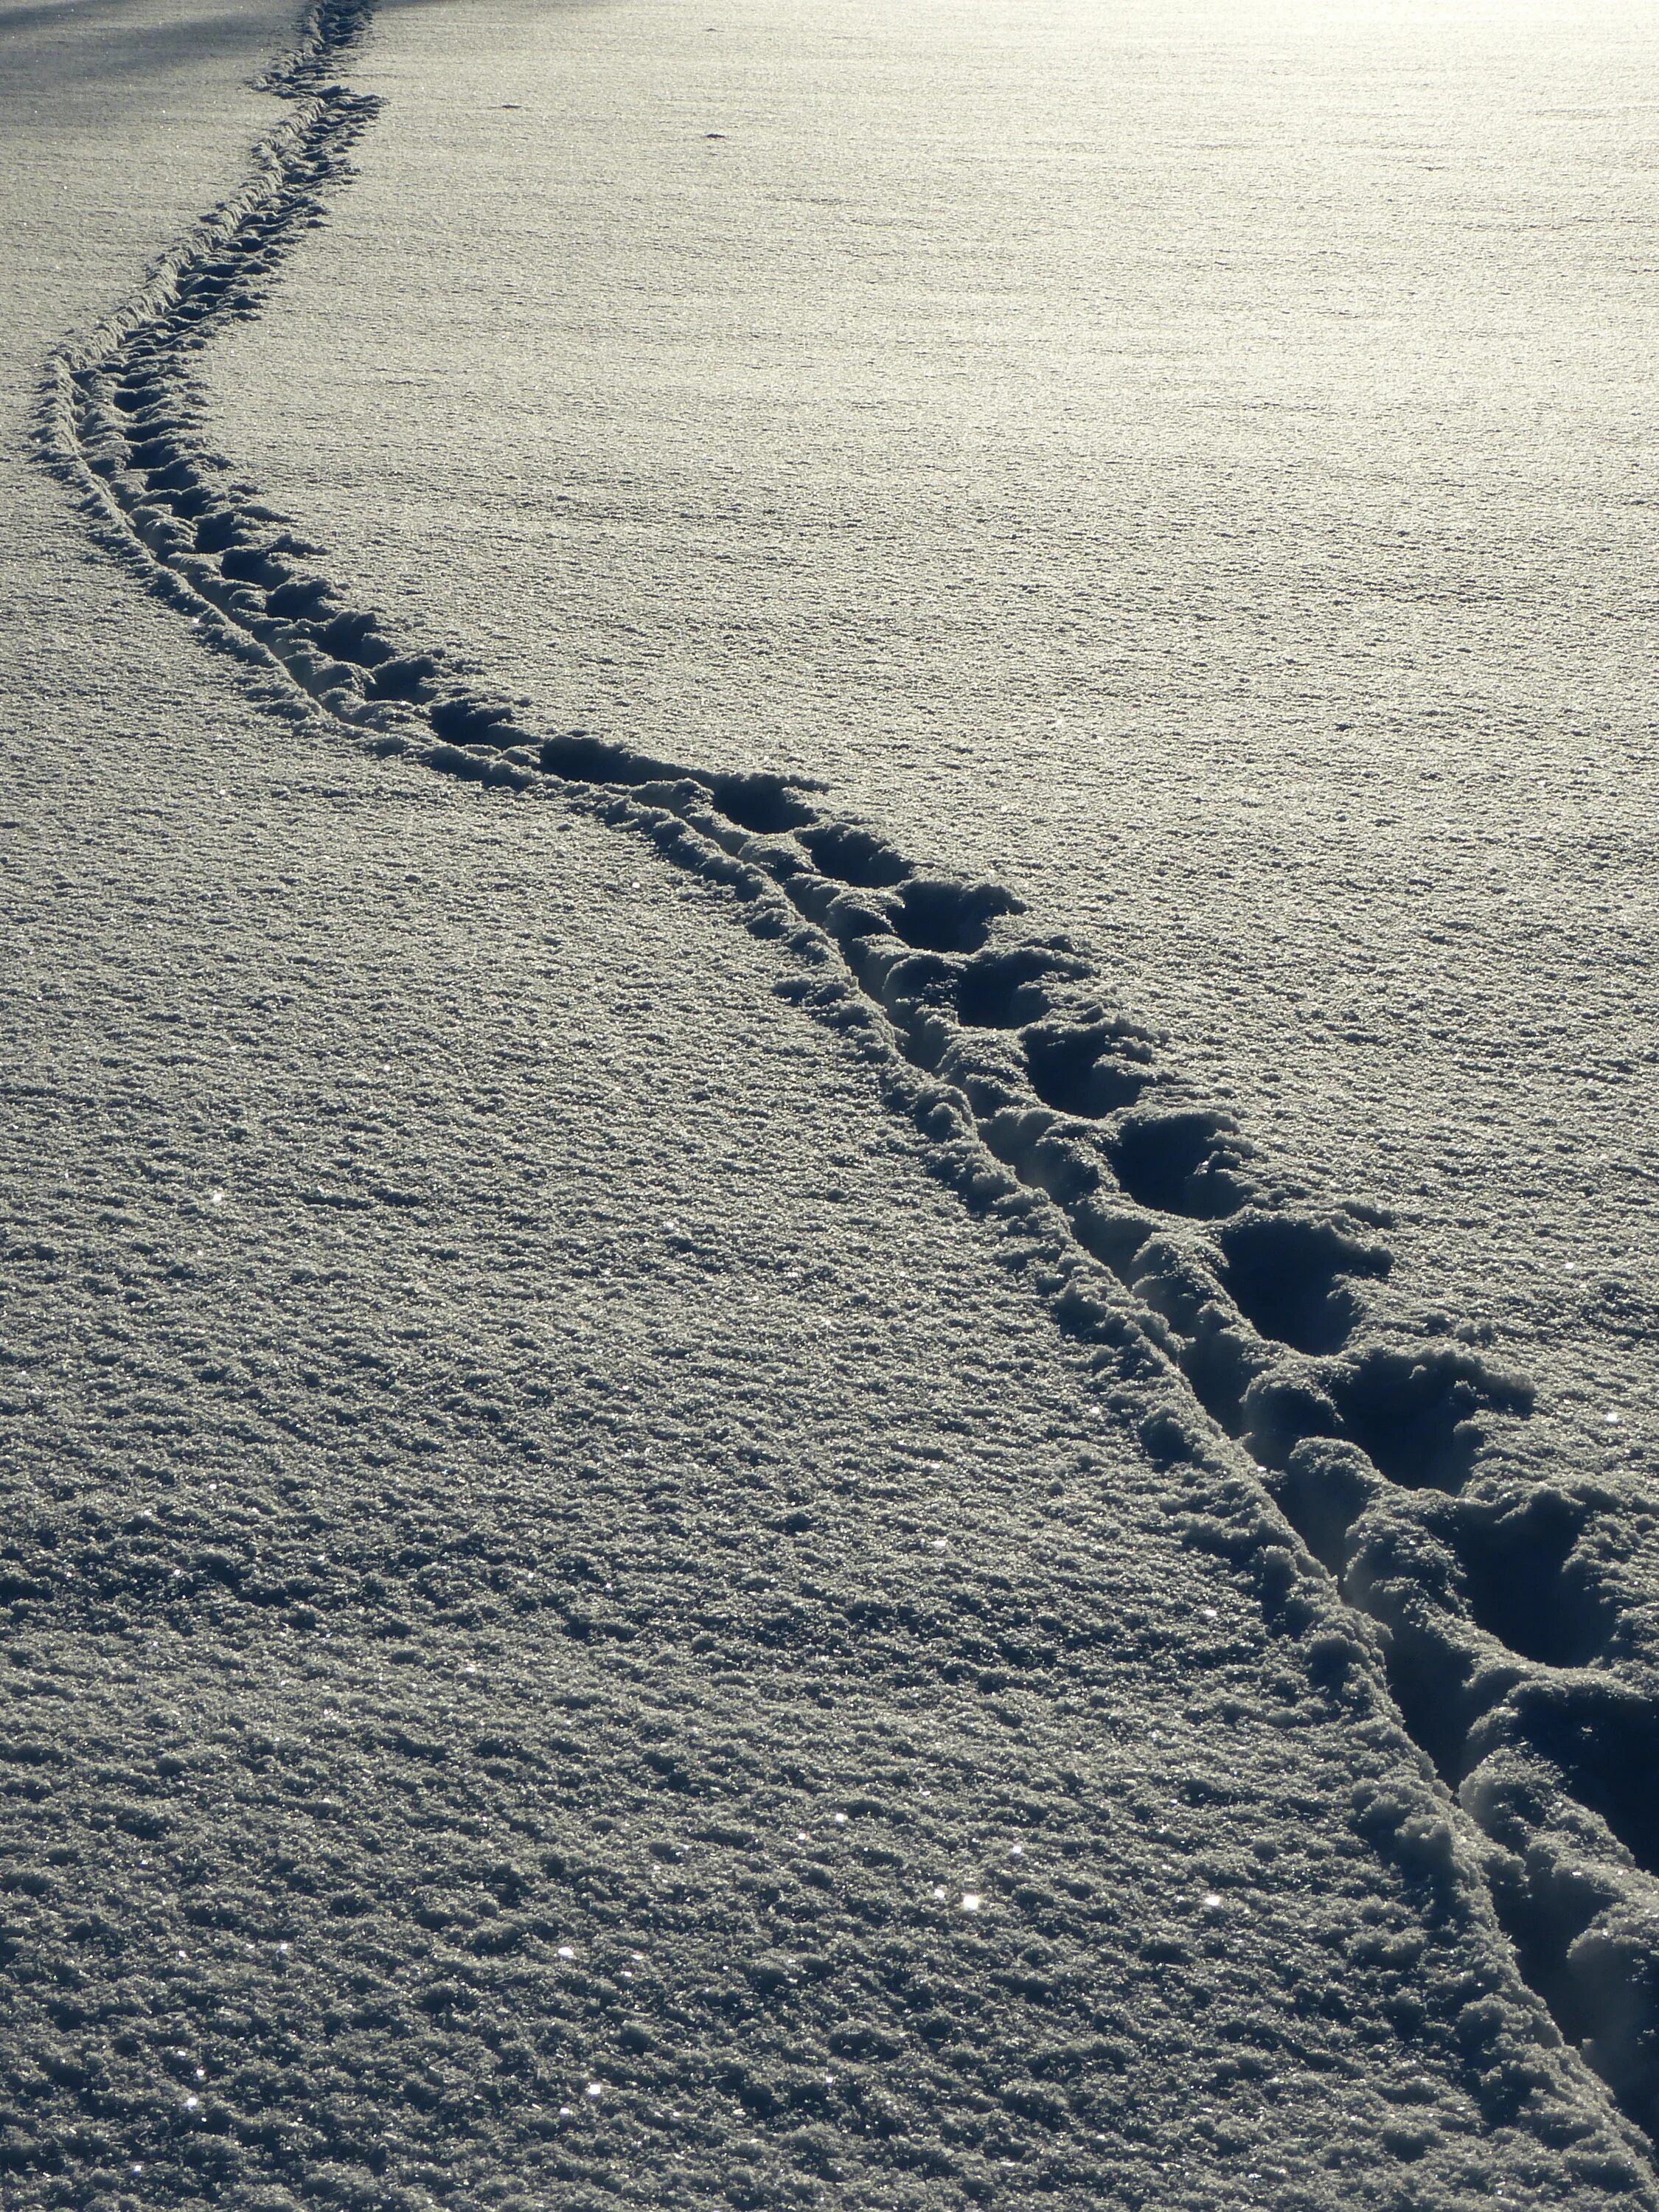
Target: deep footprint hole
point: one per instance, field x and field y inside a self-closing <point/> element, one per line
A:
<point x="854" y="856"/>
<point x="1088" y="1069"/>
<point x="1543" y="1927"/>
<point x="763" y="803"/>
<point x="1282" y="1413"/>
<point x="251" y="564"/>
<point x="1287" y="1274"/>
<point x="1522" y="1586"/>
<point x="1007" y="989"/>
<point x="178" y="475"/>
<point x="1179" y="1164"/>
<point x="921" y="981"/>
<point x="938" y="915"/>
<point x="189" y="506"/>
<point x="406" y="681"/>
<point x="354" y="637"/>
<point x="1604" y="1740"/>
<point x="218" y="530"/>
<point x="469" y="721"/>
<point x="583" y="759"/>
<point x="1413" y="1411"/>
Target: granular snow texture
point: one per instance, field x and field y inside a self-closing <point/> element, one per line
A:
<point x="578" y="1632"/>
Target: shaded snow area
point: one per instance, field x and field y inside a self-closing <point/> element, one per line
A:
<point x="702" y="1505"/>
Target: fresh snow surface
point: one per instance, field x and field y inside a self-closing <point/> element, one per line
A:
<point x="827" y="1305"/>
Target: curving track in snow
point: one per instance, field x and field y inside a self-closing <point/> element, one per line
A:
<point x="1243" y="1327"/>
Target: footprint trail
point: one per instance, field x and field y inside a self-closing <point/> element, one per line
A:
<point x="1239" y="1326"/>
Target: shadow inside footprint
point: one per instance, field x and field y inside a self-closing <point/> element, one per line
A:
<point x="1089" y="1069"/>
<point x="1412" y="1412"/>
<point x="1286" y="1273"/>
<point x="1603" y="1737"/>
<point x="578" y="758"/>
<point x="1519" y="1584"/>
<point x="938" y="914"/>
<point x="1003" y="990"/>
<point x="467" y="720"/>
<point x="1179" y="1164"/>
<point x="354" y="637"/>
<point x="1427" y="1678"/>
<point x="762" y="802"/>
<point x="251" y="564"/>
<point x="406" y="680"/>
<point x="854" y="856"/>
<point x="1543" y="1915"/>
<point x="219" y="529"/>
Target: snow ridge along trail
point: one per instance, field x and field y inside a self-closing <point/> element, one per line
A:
<point x="1247" y="1331"/>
